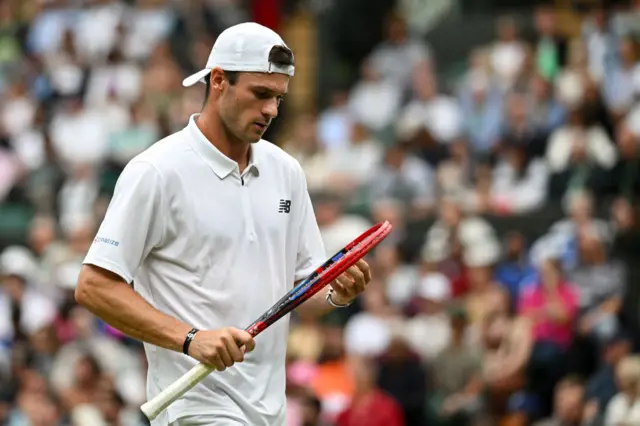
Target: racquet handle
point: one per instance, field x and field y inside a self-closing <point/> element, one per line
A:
<point x="155" y="406"/>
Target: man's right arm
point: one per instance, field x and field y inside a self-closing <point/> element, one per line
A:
<point x="134" y="225"/>
<point x="110" y="298"/>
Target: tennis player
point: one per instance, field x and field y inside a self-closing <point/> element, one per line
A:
<point x="206" y="230"/>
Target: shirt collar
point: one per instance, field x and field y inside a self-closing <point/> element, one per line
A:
<point x="221" y="165"/>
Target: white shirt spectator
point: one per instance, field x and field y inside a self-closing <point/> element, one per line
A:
<point x="441" y="116"/>
<point x="80" y="137"/>
<point x="29" y="147"/>
<point x="599" y="148"/>
<point x="621" y="411"/>
<point x="357" y="161"/>
<point x="413" y="182"/>
<point x="520" y="194"/>
<point x="121" y="80"/>
<point x="96" y="30"/>
<point x="375" y="103"/>
<point x="386" y="56"/>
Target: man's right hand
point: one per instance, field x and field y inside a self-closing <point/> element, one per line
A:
<point x="221" y="348"/>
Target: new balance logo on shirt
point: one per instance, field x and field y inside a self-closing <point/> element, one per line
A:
<point x="285" y="206"/>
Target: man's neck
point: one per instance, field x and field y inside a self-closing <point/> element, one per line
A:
<point x="236" y="150"/>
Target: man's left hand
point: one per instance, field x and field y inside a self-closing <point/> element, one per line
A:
<point x="351" y="283"/>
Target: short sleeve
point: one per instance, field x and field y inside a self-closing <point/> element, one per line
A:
<point x="311" y="252"/>
<point x="133" y="224"/>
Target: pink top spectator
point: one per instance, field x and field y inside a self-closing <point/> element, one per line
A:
<point x="531" y="304"/>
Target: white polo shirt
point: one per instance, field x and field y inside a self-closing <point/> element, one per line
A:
<point x="213" y="248"/>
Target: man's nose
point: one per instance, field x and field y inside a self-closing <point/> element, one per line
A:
<point x="270" y="108"/>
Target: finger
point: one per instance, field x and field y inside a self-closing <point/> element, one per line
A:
<point x="358" y="278"/>
<point x="242" y="338"/>
<point x="366" y="270"/>
<point x="223" y="353"/>
<point x="344" y="286"/>
<point x="218" y="363"/>
<point x="234" y="350"/>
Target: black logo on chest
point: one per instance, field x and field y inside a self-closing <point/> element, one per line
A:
<point x="285" y="206"/>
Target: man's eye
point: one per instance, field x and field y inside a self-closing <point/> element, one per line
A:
<point x="262" y="95"/>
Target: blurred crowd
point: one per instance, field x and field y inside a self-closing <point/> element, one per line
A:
<point x="469" y="327"/>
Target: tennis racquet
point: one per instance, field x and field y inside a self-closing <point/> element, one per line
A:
<point x="305" y="289"/>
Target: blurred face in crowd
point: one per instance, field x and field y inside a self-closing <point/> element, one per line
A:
<point x="396" y="30"/>
<point x="581" y="208"/>
<point x="618" y="350"/>
<point x="516" y="157"/>
<point x="627" y="142"/>
<point x="590" y="247"/>
<point x="247" y="107"/>
<point x="628" y="51"/>
<point x="333" y="344"/>
<point x="515" y="245"/>
<point x="305" y="133"/>
<point x="551" y="274"/>
<point x="42" y="234"/>
<point x="395" y="156"/>
<point x="479" y="277"/>
<point x="359" y="133"/>
<point x="364" y="374"/>
<point x="569" y="401"/>
<point x="496" y="327"/>
<point x="328" y="211"/>
<point x="507" y="29"/>
<point x="450" y="213"/>
<point x="311" y="409"/>
<point x="628" y="375"/>
<point x="540" y="88"/>
<point x="517" y="109"/>
<point x="545" y="21"/>
<point x="13" y="286"/>
<point x="87" y="372"/>
<point x="424" y="83"/>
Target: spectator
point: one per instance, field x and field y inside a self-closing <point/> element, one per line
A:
<point x="550" y="307"/>
<point x="431" y="319"/>
<point x="374" y="89"/>
<point x="352" y="167"/>
<point x="519" y="182"/>
<point x="624" y="408"/>
<point x="551" y="46"/>
<point x="404" y="177"/>
<point x="398" y="48"/>
<point x="506" y="346"/>
<point x="439" y="114"/>
<point x="370" y="406"/>
<point x="515" y="267"/>
<point x="402" y="376"/>
<point x="546" y="112"/>
<point x="622" y="82"/>
<point x="482" y="108"/>
<point x="576" y="153"/>
<point x="508" y="52"/>
<point x="602" y="386"/>
<point x="457" y="378"/>
<point x="601" y="285"/>
<point x="568" y="403"/>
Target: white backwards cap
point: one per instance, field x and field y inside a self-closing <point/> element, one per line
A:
<point x="242" y="47"/>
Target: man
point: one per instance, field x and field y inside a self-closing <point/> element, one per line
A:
<point x="215" y="225"/>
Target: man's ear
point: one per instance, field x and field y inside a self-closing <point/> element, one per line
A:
<point x="218" y="81"/>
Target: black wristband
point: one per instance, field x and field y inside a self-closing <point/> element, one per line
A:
<point x="188" y="339"/>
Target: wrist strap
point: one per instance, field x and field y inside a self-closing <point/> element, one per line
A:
<point x="187" y="341"/>
<point x="334" y="304"/>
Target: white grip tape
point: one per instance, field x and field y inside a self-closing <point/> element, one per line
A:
<point x="153" y="407"/>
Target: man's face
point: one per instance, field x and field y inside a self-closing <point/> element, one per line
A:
<point x="248" y="106"/>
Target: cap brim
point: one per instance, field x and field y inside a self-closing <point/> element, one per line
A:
<point x="194" y="78"/>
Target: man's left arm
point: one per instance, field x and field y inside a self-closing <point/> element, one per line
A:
<point x="311" y="253"/>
